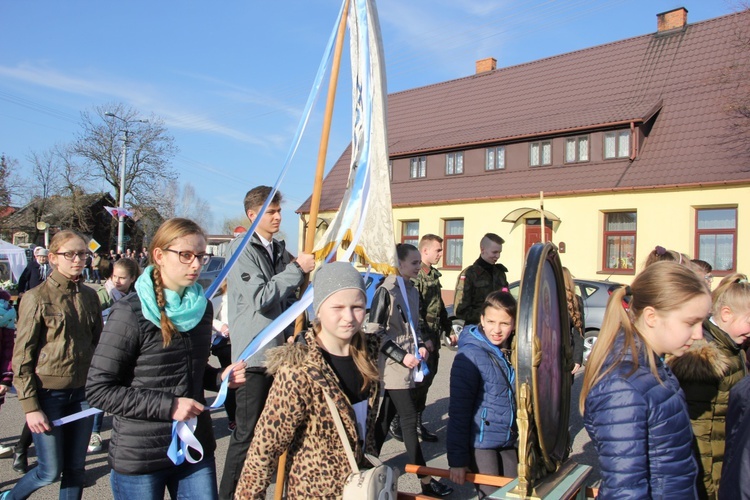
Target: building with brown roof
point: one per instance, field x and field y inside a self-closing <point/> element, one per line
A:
<point x="631" y="142"/>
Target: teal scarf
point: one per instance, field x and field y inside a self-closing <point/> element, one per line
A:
<point x="185" y="312"/>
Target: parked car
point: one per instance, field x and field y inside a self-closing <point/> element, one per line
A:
<point x="210" y="271"/>
<point x="595" y="294"/>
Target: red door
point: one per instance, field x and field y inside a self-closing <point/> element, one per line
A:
<point x="534" y="233"/>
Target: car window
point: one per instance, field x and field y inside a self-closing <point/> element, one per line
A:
<point x="588" y="290"/>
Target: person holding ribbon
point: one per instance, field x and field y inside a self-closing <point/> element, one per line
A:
<point x="336" y="360"/>
<point x="395" y="310"/>
<point x="150" y="371"/>
<point x="632" y="405"/>
<point x="59" y="324"/>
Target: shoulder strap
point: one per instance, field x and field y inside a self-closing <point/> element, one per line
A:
<point x="342" y="432"/>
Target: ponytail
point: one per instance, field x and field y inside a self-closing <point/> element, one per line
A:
<point x="167" y="327"/>
<point x="733" y="292"/>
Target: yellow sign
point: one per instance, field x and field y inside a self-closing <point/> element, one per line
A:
<point x="94" y="245"/>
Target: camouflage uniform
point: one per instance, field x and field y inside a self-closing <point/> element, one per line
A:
<point x="433" y="318"/>
<point x="473" y="285"/>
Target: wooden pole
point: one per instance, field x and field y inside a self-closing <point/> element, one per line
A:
<point x="315" y="200"/>
<point x="541" y="210"/>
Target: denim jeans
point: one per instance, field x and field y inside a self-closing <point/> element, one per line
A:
<point x="62" y="450"/>
<point x="185" y="481"/>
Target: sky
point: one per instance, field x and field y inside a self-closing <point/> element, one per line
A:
<point x="230" y="79"/>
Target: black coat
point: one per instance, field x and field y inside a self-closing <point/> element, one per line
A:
<point x="735" y="473"/>
<point x="136" y="379"/>
<point x="30" y="277"/>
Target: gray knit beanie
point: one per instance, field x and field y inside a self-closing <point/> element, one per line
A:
<point x="331" y="278"/>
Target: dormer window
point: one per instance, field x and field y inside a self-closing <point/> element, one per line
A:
<point x="495" y="158"/>
<point x="617" y="144"/>
<point x="577" y="149"/>
<point x="418" y="167"/>
<point x="454" y="163"/>
<point x="540" y="153"/>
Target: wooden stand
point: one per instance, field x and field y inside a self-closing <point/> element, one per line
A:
<point x="568" y="483"/>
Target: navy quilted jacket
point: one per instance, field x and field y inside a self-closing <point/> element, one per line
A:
<point x="641" y="431"/>
<point x="482" y="407"/>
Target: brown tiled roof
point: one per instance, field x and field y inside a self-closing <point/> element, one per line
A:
<point x="58" y="209"/>
<point x="675" y="73"/>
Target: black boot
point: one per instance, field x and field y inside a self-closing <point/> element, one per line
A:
<point x="20" y="460"/>
<point x="396" y="429"/>
<point x="423" y="433"/>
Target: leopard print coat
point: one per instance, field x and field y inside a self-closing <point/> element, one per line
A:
<point x="296" y="418"/>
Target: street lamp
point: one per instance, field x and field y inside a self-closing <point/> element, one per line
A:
<point x="121" y="216"/>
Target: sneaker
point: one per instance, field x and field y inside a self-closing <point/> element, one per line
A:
<point x="95" y="443"/>
<point x="6" y="451"/>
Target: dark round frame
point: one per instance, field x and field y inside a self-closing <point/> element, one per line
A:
<point x="542" y="315"/>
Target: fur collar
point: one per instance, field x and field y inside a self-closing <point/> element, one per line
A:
<point x="703" y="362"/>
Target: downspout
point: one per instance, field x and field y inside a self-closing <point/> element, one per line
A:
<point x="634" y="134"/>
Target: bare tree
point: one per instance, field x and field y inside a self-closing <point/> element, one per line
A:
<point x="149" y="151"/>
<point x="10" y="182"/>
<point x="230" y="223"/>
<point x="183" y="201"/>
<point x="735" y="81"/>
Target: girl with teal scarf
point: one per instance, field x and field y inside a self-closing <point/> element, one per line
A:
<point x="153" y="368"/>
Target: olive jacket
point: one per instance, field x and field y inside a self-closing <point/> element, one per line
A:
<point x="473" y="285"/>
<point x="59" y="324"/>
<point x="707" y="371"/>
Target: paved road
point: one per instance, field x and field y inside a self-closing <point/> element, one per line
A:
<point x="436" y="418"/>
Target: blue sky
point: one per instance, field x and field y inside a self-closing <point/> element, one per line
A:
<point x="230" y="78"/>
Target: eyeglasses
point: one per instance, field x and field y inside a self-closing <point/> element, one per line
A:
<point x="72" y="255"/>
<point x="189" y="257"/>
<point x="708" y="278"/>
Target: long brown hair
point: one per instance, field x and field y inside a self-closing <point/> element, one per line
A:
<point x="572" y="299"/>
<point x="665" y="286"/>
<point x="358" y="350"/>
<point x="165" y="235"/>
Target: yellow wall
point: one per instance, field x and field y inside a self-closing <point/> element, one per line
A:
<point x="664" y="217"/>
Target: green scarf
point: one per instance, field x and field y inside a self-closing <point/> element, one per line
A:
<point x="185" y="312"/>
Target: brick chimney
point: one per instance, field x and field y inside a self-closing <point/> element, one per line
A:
<point x="670" y="20"/>
<point x="485" y="65"/>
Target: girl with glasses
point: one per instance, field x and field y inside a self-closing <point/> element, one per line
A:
<point x="152" y="367"/>
<point x="58" y="328"/>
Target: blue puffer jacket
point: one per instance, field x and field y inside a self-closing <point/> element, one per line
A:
<point x="641" y="431"/>
<point x="482" y="408"/>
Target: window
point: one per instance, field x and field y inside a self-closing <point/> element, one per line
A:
<point x="410" y="232"/>
<point x="617" y="144"/>
<point x="390" y="170"/>
<point x="716" y="237"/>
<point x="540" y="153"/>
<point x="454" y="163"/>
<point x="577" y="149"/>
<point x="619" y="242"/>
<point x="495" y="159"/>
<point x="418" y="167"/>
<point x="454" y="243"/>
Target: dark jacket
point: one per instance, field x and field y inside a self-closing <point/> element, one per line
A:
<point x="641" y="431"/>
<point x="30" y="277"/>
<point x="482" y="409"/>
<point x="473" y="285"/>
<point x="136" y="379"/>
<point x="707" y="371"/>
<point x="59" y="323"/>
<point x="735" y="474"/>
<point x="259" y="289"/>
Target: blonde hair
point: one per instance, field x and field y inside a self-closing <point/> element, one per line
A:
<point x="62" y="237"/>
<point x="570" y="296"/>
<point x="733" y="292"/>
<point x="165" y="235"/>
<point x="665" y="286"/>
<point x="358" y="350"/>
